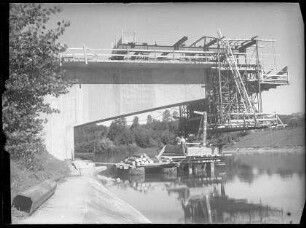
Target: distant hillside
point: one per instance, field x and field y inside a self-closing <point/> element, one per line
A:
<point x="293" y="120"/>
<point x="272" y="138"/>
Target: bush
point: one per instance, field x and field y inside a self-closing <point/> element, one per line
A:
<point x="104" y="144"/>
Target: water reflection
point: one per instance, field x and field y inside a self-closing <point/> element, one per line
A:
<point x="217" y="207"/>
<point x="248" y="189"/>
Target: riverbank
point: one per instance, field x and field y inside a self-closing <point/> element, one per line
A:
<point x="45" y="167"/>
<point x="82" y="199"/>
<point x="272" y="138"/>
<point x="293" y="149"/>
<point x="286" y="140"/>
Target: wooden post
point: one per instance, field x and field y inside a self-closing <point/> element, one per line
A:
<point x="208" y="208"/>
<point x="30" y="199"/>
<point x="222" y="190"/>
<point x="204" y="128"/>
<point x="85" y="54"/>
<point x="190" y="168"/>
<point x="220" y="83"/>
<point x="122" y="36"/>
<point x="61" y="59"/>
<point x="212" y="169"/>
<point x="259" y="79"/>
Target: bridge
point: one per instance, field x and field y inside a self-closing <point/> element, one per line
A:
<point x="224" y="77"/>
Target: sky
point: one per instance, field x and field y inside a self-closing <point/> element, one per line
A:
<point x="96" y="26"/>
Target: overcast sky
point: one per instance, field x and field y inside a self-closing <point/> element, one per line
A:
<point x="96" y="25"/>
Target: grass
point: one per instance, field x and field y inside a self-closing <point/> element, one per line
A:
<point x="46" y="167"/>
<point x="273" y="138"/>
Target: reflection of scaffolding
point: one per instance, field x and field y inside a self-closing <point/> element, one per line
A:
<point x="213" y="205"/>
<point x="219" y="208"/>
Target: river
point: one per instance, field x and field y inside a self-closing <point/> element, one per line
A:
<point x="249" y="188"/>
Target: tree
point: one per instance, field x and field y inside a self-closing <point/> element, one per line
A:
<point x="121" y="122"/>
<point x="119" y="133"/>
<point x="166" y="116"/>
<point x="125" y="137"/>
<point x="142" y="137"/>
<point x="149" y="119"/>
<point x="115" y="129"/>
<point x="104" y="144"/>
<point x="135" y="123"/>
<point x="175" y="114"/>
<point x="34" y="73"/>
<point x="167" y="137"/>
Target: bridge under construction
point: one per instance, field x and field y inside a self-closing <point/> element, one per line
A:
<point x="219" y="76"/>
<point x="234" y="72"/>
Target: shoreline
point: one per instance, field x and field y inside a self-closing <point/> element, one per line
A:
<point x="94" y="203"/>
<point x="83" y="199"/>
<point x="248" y="150"/>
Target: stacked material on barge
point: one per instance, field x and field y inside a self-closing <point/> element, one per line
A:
<point x="138" y="165"/>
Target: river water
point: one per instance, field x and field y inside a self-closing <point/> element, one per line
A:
<point x="249" y="188"/>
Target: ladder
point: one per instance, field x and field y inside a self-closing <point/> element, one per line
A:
<point x="202" y="126"/>
<point x="238" y="80"/>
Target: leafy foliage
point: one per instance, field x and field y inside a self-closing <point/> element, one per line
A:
<point x="120" y="138"/>
<point x="149" y="119"/>
<point x="135" y="123"/>
<point x="294" y="120"/>
<point x="166" y="116"/>
<point x="105" y="144"/>
<point x="34" y="73"/>
<point x="175" y="114"/>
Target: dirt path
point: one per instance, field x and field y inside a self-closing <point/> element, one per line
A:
<point x="83" y="200"/>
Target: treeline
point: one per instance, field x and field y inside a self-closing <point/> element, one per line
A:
<point x="119" y="136"/>
<point x="294" y="120"/>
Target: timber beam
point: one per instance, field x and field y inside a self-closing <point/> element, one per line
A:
<point x="180" y="42"/>
<point x="210" y="43"/>
<point x="247" y="44"/>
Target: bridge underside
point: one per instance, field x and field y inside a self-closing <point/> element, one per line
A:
<point x="136" y="73"/>
<point x="94" y="102"/>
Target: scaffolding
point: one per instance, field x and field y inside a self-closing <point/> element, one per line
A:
<point x="238" y="70"/>
<point x="236" y="85"/>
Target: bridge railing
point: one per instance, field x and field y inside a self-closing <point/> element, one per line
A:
<point x="132" y="55"/>
<point x="145" y="55"/>
<point x="249" y="120"/>
<point x="136" y="55"/>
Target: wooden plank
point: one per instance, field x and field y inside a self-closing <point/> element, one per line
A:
<point x="161" y="152"/>
<point x="247" y="45"/>
<point x="194" y="43"/>
<point x="210" y="43"/>
<point x="180" y="42"/>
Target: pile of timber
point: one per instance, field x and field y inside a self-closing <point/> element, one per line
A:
<point x="142" y="160"/>
<point x="134" y="161"/>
